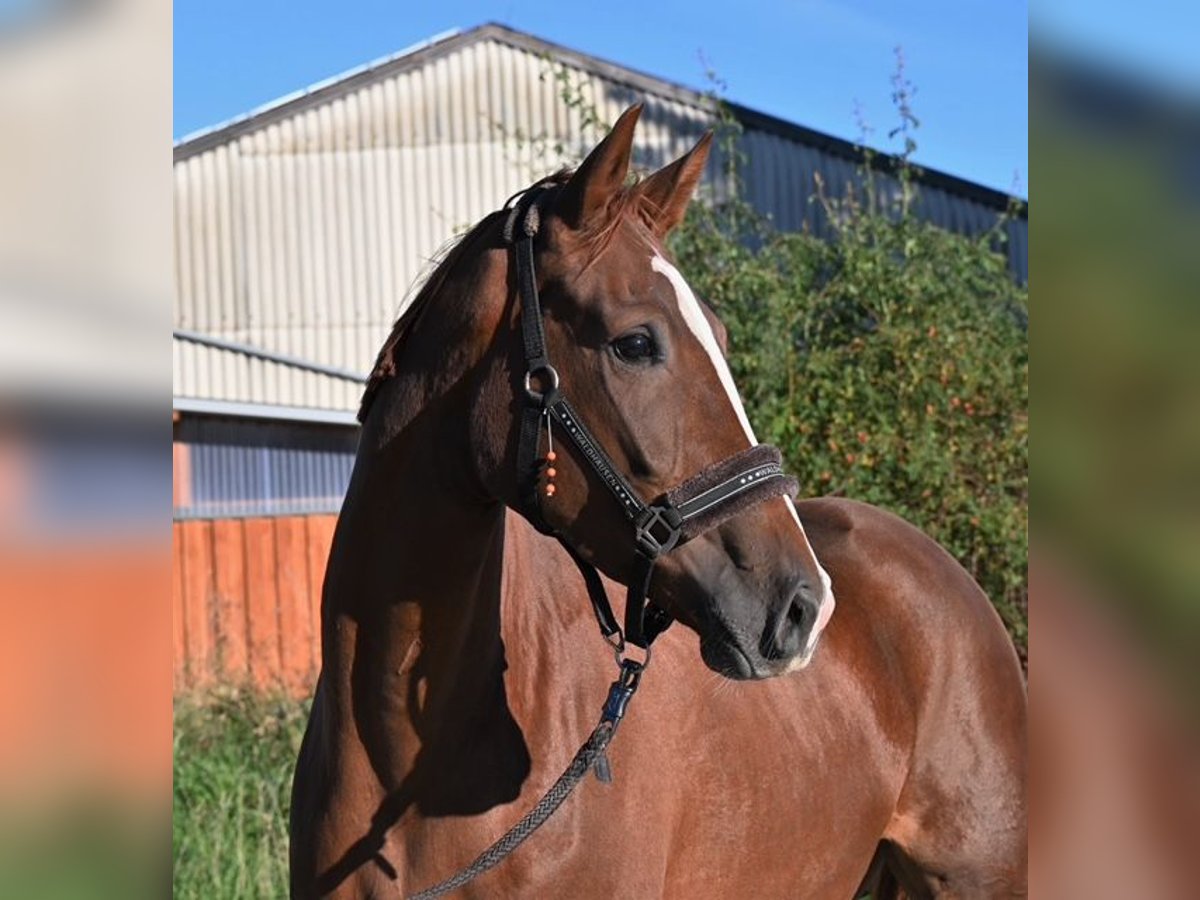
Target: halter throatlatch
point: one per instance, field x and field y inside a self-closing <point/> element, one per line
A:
<point x="702" y="502"/>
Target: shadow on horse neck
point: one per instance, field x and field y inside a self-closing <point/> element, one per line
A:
<point x="412" y="601"/>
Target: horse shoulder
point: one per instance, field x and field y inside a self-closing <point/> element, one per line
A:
<point x="909" y="597"/>
<point x="859" y="540"/>
<point x="949" y="669"/>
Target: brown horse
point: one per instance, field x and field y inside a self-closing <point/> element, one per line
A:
<point x="462" y="666"/>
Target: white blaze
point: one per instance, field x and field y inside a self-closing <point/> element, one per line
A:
<point x="693" y="315"/>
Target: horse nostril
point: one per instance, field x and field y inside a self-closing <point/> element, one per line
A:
<point x="787" y="639"/>
<point x="800" y="613"/>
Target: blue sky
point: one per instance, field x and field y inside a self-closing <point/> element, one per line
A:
<point x="810" y="61"/>
<point x="1154" y="41"/>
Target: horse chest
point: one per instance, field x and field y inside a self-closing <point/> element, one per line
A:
<point x="717" y="792"/>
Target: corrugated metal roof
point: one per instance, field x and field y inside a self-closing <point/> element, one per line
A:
<point x="300" y="228"/>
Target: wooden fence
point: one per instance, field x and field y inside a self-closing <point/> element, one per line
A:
<point x="246" y="601"/>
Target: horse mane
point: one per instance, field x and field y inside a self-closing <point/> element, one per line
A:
<point x="389" y="354"/>
<point x="625" y="203"/>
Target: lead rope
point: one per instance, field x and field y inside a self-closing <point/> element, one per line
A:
<point x="589" y="756"/>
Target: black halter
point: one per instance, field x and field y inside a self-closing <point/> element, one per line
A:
<point x="698" y="504"/>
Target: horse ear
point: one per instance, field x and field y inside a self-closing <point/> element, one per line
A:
<point x="600" y="175"/>
<point x="670" y="189"/>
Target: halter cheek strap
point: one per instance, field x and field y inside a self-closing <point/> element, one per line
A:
<point x="700" y="503"/>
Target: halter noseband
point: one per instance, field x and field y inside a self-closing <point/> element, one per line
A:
<point x="700" y="503"/>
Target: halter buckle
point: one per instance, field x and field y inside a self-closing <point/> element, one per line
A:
<point x="657" y="530"/>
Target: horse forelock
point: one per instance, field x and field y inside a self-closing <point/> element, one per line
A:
<point x="627" y="205"/>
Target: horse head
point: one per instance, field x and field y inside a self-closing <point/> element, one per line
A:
<point x="642" y="359"/>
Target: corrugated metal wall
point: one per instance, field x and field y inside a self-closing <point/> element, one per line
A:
<point x="303" y="236"/>
<point x="239" y="467"/>
<point x="780" y="180"/>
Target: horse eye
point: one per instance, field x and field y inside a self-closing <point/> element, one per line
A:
<point x="636" y="347"/>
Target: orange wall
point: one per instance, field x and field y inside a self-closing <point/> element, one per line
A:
<point x="84" y="705"/>
<point x="246" y="601"/>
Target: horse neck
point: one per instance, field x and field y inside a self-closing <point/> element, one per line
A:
<point x="413" y="597"/>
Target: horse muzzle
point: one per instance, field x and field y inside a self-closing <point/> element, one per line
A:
<point x="784" y="641"/>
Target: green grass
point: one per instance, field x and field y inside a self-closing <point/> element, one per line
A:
<point x="234" y="755"/>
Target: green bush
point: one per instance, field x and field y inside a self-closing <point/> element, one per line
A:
<point x="889" y="364"/>
<point x="234" y="756"/>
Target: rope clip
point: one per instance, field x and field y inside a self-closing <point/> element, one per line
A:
<point x="621" y="691"/>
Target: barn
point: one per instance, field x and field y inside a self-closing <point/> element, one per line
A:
<point x="299" y="229"/>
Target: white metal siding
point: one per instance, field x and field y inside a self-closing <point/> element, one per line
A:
<point x="304" y="237"/>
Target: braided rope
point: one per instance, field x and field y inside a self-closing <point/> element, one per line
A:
<point x="585" y="758"/>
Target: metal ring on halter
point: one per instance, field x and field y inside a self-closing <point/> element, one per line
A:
<point x="621" y="658"/>
<point x="616" y="640"/>
<point x="539" y="396"/>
